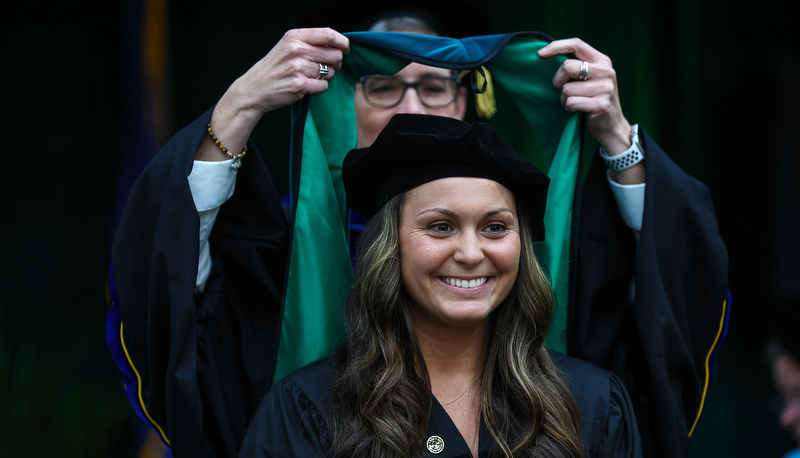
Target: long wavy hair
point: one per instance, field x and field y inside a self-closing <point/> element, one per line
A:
<point x="383" y="392"/>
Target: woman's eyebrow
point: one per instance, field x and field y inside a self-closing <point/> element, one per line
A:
<point x="453" y="214"/>
<point x="433" y="73"/>
<point x="500" y="210"/>
<point x="443" y="211"/>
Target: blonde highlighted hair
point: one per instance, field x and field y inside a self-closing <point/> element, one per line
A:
<point x="383" y="394"/>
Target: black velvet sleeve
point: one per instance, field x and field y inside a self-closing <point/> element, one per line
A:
<point x="608" y="422"/>
<point x="202" y="363"/>
<point x="659" y="342"/>
<point x="293" y="420"/>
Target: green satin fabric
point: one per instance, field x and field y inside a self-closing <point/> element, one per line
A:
<point x="320" y="272"/>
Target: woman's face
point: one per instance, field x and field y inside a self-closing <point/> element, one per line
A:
<point x="459" y="250"/>
<point x="371" y="120"/>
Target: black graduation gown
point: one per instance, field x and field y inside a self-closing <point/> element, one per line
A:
<point x="294" y="418"/>
<point x="195" y="367"/>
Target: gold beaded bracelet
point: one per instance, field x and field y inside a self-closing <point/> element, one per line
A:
<point x="237" y="160"/>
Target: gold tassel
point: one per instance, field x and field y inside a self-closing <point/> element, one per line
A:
<point x="485" y="104"/>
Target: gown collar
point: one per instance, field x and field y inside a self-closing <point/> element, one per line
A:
<point x="450" y="443"/>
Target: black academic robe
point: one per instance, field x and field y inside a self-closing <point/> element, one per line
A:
<point x="294" y="419"/>
<point x="194" y="366"/>
<point x="662" y="337"/>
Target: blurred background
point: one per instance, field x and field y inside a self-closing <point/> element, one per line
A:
<point x="91" y="89"/>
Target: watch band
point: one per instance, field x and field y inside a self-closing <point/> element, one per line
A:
<point x="629" y="157"/>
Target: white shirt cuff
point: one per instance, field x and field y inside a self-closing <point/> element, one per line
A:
<point x="212" y="184"/>
<point x="630" y="201"/>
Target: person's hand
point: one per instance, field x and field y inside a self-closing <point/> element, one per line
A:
<point x="291" y="70"/>
<point x="596" y="95"/>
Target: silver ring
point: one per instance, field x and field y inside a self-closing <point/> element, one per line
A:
<point x="584" y="71"/>
<point x="323" y="71"/>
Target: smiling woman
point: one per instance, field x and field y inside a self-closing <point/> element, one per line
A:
<point x="446" y="319"/>
<point x="459" y="250"/>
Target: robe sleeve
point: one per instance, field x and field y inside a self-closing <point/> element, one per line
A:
<point x="661" y="341"/>
<point x="608" y="421"/>
<point x="622" y="435"/>
<point x="194" y="366"/>
<point x="293" y="419"/>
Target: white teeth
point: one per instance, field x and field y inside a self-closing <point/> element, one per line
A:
<point x="465" y="283"/>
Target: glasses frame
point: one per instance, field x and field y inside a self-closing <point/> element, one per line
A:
<point x="454" y="78"/>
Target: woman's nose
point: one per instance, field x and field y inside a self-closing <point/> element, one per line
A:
<point x="469" y="250"/>
<point x="411" y="104"/>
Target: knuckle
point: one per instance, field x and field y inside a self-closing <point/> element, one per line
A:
<point x="295" y="67"/>
<point x="604" y="105"/>
<point x="295" y="49"/>
<point x="290" y="34"/>
<point x="300" y="86"/>
<point x="327" y="33"/>
<point x="292" y="85"/>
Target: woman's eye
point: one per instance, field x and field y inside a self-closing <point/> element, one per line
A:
<point x="430" y="89"/>
<point x="441" y="227"/>
<point x="383" y="89"/>
<point x="434" y="84"/>
<point x="496" y="228"/>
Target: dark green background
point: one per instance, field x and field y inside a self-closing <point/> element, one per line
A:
<point x="715" y="85"/>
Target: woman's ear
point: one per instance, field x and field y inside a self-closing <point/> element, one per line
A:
<point x="461" y="102"/>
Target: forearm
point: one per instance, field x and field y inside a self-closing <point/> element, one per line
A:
<point x="232" y="122"/>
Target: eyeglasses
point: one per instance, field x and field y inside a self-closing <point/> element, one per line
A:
<point x="388" y="91"/>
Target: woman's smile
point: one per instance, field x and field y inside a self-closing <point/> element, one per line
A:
<point x="465" y="283"/>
